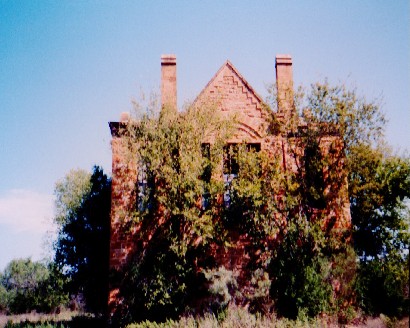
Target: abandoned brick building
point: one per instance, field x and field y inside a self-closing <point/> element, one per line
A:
<point x="234" y="95"/>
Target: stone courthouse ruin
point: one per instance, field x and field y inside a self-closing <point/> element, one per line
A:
<point x="233" y="94"/>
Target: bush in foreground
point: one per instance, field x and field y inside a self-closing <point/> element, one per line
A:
<point x="233" y="317"/>
<point x="27" y="286"/>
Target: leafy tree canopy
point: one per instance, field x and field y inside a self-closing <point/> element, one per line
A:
<point x="70" y="192"/>
<point x="82" y="246"/>
<point x="26" y="286"/>
<point x="188" y="205"/>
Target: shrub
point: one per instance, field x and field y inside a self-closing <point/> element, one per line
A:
<point x="383" y="286"/>
<point x="222" y="285"/>
<point x="27" y="286"/>
<point x="301" y="272"/>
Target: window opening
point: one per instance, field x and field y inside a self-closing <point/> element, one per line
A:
<point x="206" y="174"/>
<point x="314" y="178"/>
<point x="142" y="185"/>
<point x="231" y="166"/>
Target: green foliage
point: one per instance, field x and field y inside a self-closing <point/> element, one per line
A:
<point x="292" y="215"/>
<point x="28" y="286"/>
<point x="70" y="192"/>
<point x="314" y="182"/>
<point x="52" y="290"/>
<point x="343" y="274"/>
<point x="34" y="325"/>
<point x="82" y="247"/>
<point x="3" y="297"/>
<point x="259" y="298"/>
<point x="252" y="209"/>
<point x="168" y="151"/>
<point x="157" y="285"/>
<point x="22" y="279"/>
<point x="81" y="260"/>
<point x="379" y="187"/>
<point x="235" y="317"/>
<point x="222" y="286"/>
<point x="379" y="190"/>
<point x="300" y="271"/>
<point x="382" y="286"/>
<point x="338" y="109"/>
<point x="75" y="322"/>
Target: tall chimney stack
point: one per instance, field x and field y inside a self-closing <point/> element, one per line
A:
<point x="284" y="82"/>
<point x="169" y="81"/>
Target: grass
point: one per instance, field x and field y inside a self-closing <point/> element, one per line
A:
<point x="66" y="319"/>
<point x="240" y="318"/>
<point x="235" y="317"/>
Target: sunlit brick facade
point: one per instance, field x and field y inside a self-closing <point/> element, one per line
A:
<point x="232" y="94"/>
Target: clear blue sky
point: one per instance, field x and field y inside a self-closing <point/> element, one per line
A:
<point x="69" y="67"/>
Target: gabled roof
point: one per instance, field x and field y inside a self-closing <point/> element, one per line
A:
<point x="231" y="67"/>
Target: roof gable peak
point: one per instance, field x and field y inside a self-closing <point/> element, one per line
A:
<point x="228" y="64"/>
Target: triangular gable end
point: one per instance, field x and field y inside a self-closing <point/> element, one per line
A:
<point x="224" y="77"/>
<point x="233" y="94"/>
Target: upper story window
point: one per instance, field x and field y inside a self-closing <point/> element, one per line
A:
<point x="314" y="177"/>
<point x="143" y="186"/>
<point x="206" y="154"/>
<point x="231" y="166"/>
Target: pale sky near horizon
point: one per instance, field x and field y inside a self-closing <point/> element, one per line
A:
<point x="67" y="68"/>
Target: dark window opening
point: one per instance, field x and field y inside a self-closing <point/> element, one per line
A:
<point x="207" y="169"/>
<point x="143" y="189"/>
<point x="231" y="165"/>
<point x="206" y="200"/>
<point x="206" y="150"/>
<point x="206" y="174"/>
<point x="231" y="159"/>
<point x="230" y="168"/>
<point x="314" y="178"/>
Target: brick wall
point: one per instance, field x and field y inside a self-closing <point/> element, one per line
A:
<point x="232" y="95"/>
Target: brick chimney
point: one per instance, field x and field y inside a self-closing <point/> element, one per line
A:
<point x="284" y="82"/>
<point x="169" y="81"/>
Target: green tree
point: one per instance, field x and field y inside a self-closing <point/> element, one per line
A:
<point x="289" y="216"/>
<point x="52" y="290"/>
<point x="3" y="297"/>
<point x="379" y="188"/>
<point x="82" y="246"/>
<point x="352" y="129"/>
<point x="70" y="193"/>
<point x="173" y="190"/>
<point x="379" y="191"/>
<point x="269" y="204"/>
<point x="22" y="278"/>
<point x="28" y="286"/>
